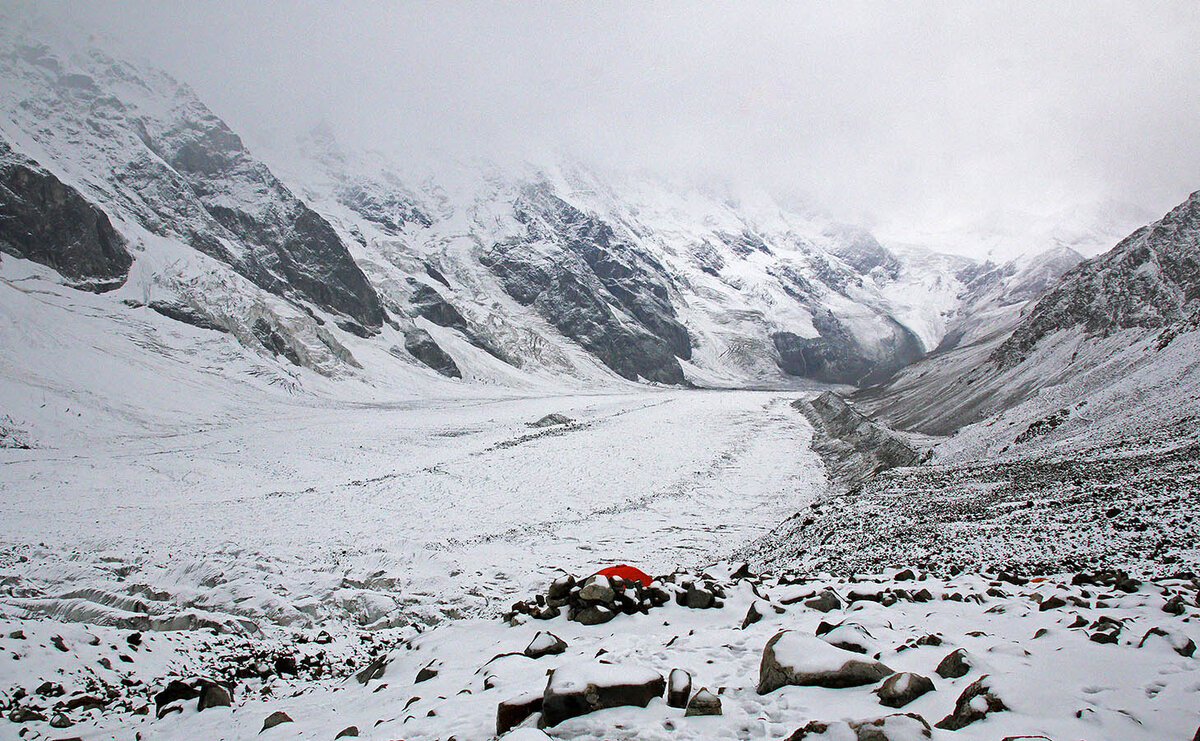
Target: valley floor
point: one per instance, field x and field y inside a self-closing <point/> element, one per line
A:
<point x="382" y="515"/>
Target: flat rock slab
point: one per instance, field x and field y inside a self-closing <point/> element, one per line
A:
<point x="578" y="689"/>
<point x="792" y="658"/>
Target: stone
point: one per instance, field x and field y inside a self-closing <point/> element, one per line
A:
<point x="976" y="702"/>
<point x="1179" y="643"/>
<point x="753" y="615"/>
<point x="598" y="589"/>
<point x="593" y="615"/>
<point x="85" y="702"/>
<point x="514" y="711"/>
<point x="1174" y="606"/>
<point x="428" y="672"/>
<point x="897" y="727"/>
<point x="1051" y="603"/>
<point x="955" y="665"/>
<point x="347" y="732"/>
<point x="374" y="670"/>
<point x="679" y="688"/>
<point x="545" y="644"/>
<point x="213" y="695"/>
<point x="578" y="689"/>
<point x="791" y="658"/>
<point x="848" y="637"/>
<point x="703" y="703"/>
<point x="274" y="719"/>
<point x="175" y="690"/>
<point x="50" y="689"/>
<point x="421" y="345"/>
<point x="59" y="720"/>
<point x="824" y="602"/>
<point x="900" y="689"/>
<point x="24" y="715"/>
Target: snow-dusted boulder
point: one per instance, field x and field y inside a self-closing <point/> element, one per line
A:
<point x="545" y="644"/>
<point x="1178" y="642"/>
<point x="513" y="711"/>
<point x="679" y="688"/>
<point x="976" y="702"/>
<point x="578" y="689"/>
<point x="900" y="689"/>
<point x="954" y="665"/>
<point x="899" y="727"/>
<point x="703" y="703"/>
<point x="792" y="658"/>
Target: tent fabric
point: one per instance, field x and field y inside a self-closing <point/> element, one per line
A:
<point x="628" y="573"/>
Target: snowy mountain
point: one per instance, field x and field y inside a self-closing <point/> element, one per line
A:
<point x="1088" y="363"/>
<point x="485" y="275"/>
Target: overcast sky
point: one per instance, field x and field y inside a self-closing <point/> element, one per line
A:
<point x="911" y="113"/>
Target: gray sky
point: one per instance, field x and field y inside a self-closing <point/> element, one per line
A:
<point x="908" y="114"/>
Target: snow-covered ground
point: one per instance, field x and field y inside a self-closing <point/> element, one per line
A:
<point x="382" y="514"/>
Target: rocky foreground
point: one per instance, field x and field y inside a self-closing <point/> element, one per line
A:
<point x="719" y="654"/>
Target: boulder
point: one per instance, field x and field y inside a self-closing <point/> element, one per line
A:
<point x="175" y="690"/>
<point x="753" y="615"/>
<point x="1179" y="643"/>
<point x="849" y="637"/>
<point x="374" y="670"/>
<point x="679" y="688"/>
<point x="578" y="689"/>
<point x="514" y="711"/>
<point x="593" y="615"/>
<point x="598" y="589"/>
<point x="545" y="644"/>
<point x="703" y="703"/>
<point x="347" y="732"/>
<point x="791" y="658"/>
<point x="428" y="672"/>
<point x="274" y="719"/>
<point x="1053" y="602"/>
<point x="955" y="665"/>
<point x="213" y="695"/>
<point x="976" y="702"/>
<point x="824" y="602"/>
<point x="898" y="727"/>
<point x="900" y="689"/>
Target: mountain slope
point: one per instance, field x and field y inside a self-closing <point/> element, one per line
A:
<point x="1108" y="350"/>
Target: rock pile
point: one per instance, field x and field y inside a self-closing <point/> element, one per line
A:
<point x="597" y="599"/>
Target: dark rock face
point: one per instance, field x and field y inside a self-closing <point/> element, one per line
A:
<point x="179" y="171"/>
<point x="581" y="277"/>
<point x="852" y="445"/>
<point x="422" y="346"/>
<point x="291" y="247"/>
<point x="427" y="302"/>
<point x="835" y="356"/>
<point x="47" y="221"/>
<point x="1150" y="280"/>
<point x="510" y="713"/>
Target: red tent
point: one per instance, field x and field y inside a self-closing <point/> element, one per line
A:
<point x="628" y="573"/>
